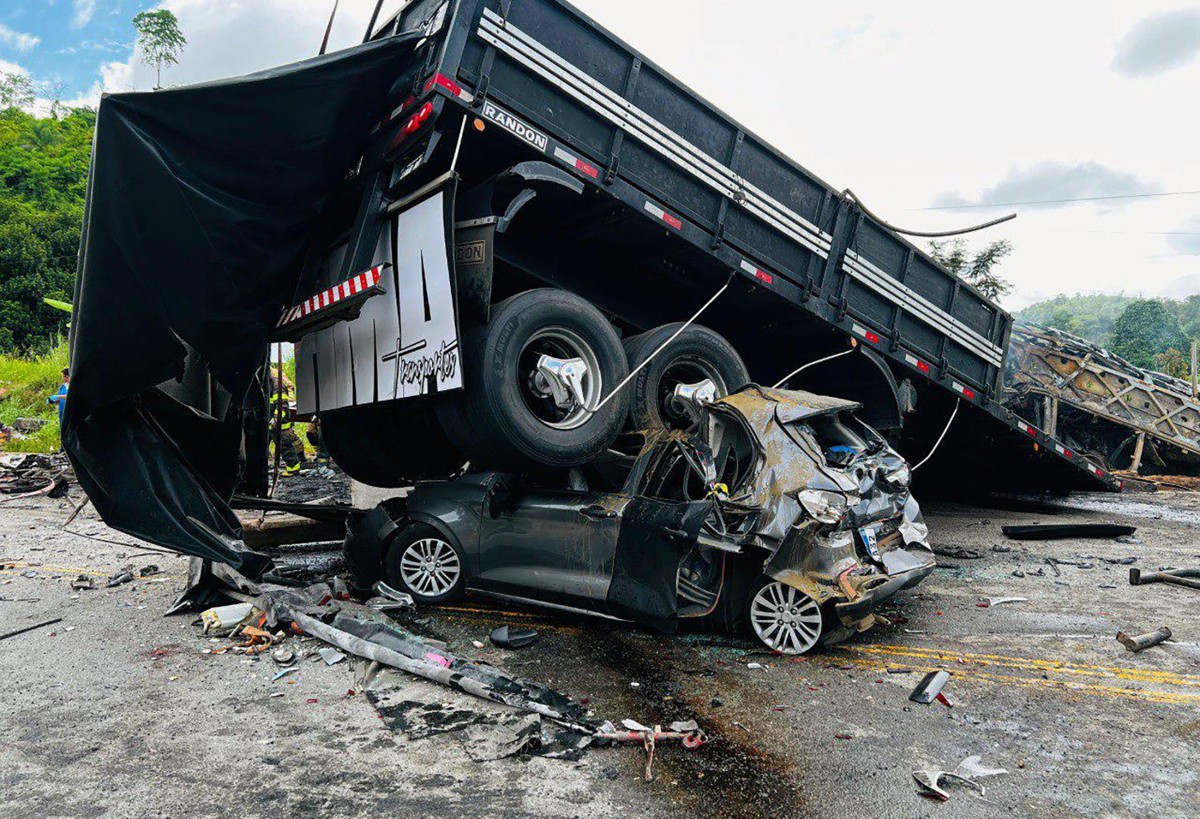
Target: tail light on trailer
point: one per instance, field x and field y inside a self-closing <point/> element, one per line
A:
<point x="414" y="124"/>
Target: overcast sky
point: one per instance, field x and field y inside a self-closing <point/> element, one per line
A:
<point x="915" y="105"/>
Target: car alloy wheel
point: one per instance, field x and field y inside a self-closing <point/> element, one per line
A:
<point x="430" y="567"/>
<point x="785" y="618"/>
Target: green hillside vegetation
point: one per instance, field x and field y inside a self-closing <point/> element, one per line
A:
<point x="1151" y="333"/>
<point x="27" y="382"/>
<point x="43" y="179"/>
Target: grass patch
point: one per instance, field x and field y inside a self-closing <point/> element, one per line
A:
<point x="29" y="380"/>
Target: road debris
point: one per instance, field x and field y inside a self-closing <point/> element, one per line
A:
<point x="1142" y="641"/>
<point x="957" y="552"/>
<point x="222" y="620"/>
<point x="331" y="656"/>
<point x="121" y="577"/>
<point x="30" y="628"/>
<point x="1062" y="531"/>
<point x="929" y="782"/>
<point x="83" y="583"/>
<point x="505" y="637"/>
<point x="283" y="656"/>
<point x="30" y="475"/>
<point x="1174" y="577"/>
<point x="930" y="687"/>
<point x="687" y="732"/>
<point x="1002" y="601"/>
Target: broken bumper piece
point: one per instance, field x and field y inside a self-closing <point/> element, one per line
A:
<point x="906" y="568"/>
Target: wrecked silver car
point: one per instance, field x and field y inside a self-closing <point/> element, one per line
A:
<point x="780" y="512"/>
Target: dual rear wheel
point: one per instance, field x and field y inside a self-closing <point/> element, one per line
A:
<point x="539" y="393"/>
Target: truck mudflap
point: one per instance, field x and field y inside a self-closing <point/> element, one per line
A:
<point x="200" y="203"/>
<point x="405" y="343"/>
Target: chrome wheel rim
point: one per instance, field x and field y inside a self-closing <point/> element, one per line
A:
<point x="430" y="567"/>
<point x="785" y="619"/>
<point x="685" y="370"/>
<point x="560" y="343"/>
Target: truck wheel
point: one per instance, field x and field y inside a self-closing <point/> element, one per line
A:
<point x="425" y="563"/>
<point x="697" y="355"/>
<point x="784" y="618"/>
<point x="390" y="445"/>
<point x="511" y="414"/>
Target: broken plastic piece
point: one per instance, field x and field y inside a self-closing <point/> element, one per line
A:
<point x="1140" y="641"/>
<point x="929" y="783"/>
<point x="929" y="687"/>
<point x="331" y="656"/>
<point x="224" y="619"/>
<point x="505" y="637"/>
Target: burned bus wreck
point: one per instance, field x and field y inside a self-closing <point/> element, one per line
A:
<point x="781" y="513"/>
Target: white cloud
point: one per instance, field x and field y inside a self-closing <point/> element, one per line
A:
<point x="1053" y="185"/>
<point x="17" y="39"/>
<point x="1159" y="43"/>
<point x="85" y="10"/>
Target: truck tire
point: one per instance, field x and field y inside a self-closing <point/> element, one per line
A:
<point x="390" y="445"/>
<point x="504" y="418"/>
<point x="697" y="354"/>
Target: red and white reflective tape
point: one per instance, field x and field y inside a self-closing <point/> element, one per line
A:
<point x="1099" y="473"/>
<point x="330" y="297"/>
<point x="757" y="272"/>
<point x="576" y="163"/>
<point x="913" y="361"/>
<point x="442" y="81"/>
<point x="870" y="336"/>
<point x="659" y="213"/>
<point x="1062" y="450"/>
<point x="965" y="392"/>
<point x="1027" y="429"/>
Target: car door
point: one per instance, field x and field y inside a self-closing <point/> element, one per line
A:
<point x="554" y="546"/>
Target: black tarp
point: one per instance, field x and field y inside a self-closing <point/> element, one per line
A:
<point x="199" y="203"/>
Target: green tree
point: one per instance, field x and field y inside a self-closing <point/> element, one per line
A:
<point x="159" y="40"/>
<point x="1146" y="328"/>
<point x="1189" y="316"/>
<point x="975" y="267"/>
<point x="1173" y="363"/>
<point x="1091" y="316"/>
<point x="16" y="91"/>
<point x="1063" y="319"/>
<point x="43" y="177"/>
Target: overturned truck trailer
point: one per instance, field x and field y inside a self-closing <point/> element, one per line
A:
<point x="546" y="205"/>
<point x="496" y="234"/>
<point x="1122" y="416"/>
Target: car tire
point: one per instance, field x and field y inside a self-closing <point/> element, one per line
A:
<point x="783" y="618"/>
<point x="501" y="419"/>
<point x="425" y="563"/>
<point x="698" y="353"/>
<point x="390" y="445"/>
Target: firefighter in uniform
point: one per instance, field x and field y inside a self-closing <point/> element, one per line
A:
<point x="291" y="451"/>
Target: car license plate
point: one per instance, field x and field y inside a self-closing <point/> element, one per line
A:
<point x="870" y="541"/>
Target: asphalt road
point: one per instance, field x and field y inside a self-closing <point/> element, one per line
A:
<point x="116" y="710"/>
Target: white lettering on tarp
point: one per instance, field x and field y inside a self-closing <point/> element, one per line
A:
<point x="425" y="356"/>
<point x="443" y="364"/>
